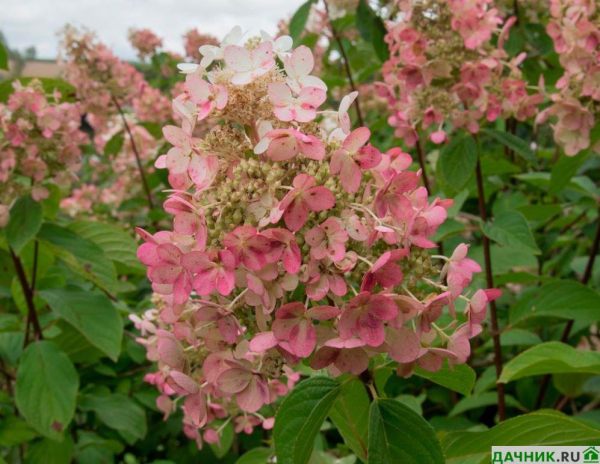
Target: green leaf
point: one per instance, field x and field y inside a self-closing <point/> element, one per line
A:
<point x="571" y="385"/>
<point x="449" y="228"/>
<point x="413" y="402"/>
<point x="564" y="299"/>
<point x="91" y="313"/>
<point x="11" y="346"/>
<point x="461" y="379"/>
<point x="541" y="180"/>
<point x="298" y="21"/>
<point x="51" y="205"/>
<point x="519" y="146"/>
<point x="397" y="434"/>
<point x="48" y="451"/>
<point x="114" y="145"/>
<point x="541" y="428"/>
<point x="481" y="401"/>
<point x="510" y="229"/>
<point x="256" y="456"/>
<point x="95" y="449"/>
<point x="3" y="57"/>
<point x="350" y="414"/>
<point x="458" y="160"/>
<point x="379" y="43"/>
<point x="118" y="412"/>
<point x="153" y="128"/>
<point x="222" y="447"/>
<point x="300" y="417"/>
<point x="26" y="218"/>
<point x="14" y="431"/>
<point x="550" y="358"/>
<point x="46" y="389"/>
<point x="117" y="244"/>
<point x="564" y="170"/>
<point x="364" y="20"/>
<point x="540" y="212"/>
<point x="83" y="256"/>
<point x="516" y="337"/>
<point x="486" y="380"/>
<point x="372" y="30"/>
<point x="72" y="342"/>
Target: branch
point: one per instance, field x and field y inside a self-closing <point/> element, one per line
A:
<point x="422" y="162"/>
<point x="31" y="312"/>
<point x="33" y="281"/>
<point x="135" y="152"/>
<point x="490" y="284"/>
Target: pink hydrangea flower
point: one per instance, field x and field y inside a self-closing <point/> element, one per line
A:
<point x="212" y="271"/>
<point x="249" y="387"/>
<point x="302" y="108"/>
<point x="249" y="65"/>
<point x="248" y="246"/>
<point x="171" y="273"/>
<point x="284" y="248"/>
<point x="365" y="314"/>
<point x="392" y="197"/>
<point x="293" y="323"/>
<point x="327" y="241"/>
<point x="195" y="401"/>
<point x="353" y="157"/>
<point x="207" y="96"/>
<point x="384" y="271"/>
<point x="343" y="116"/>
<point x="284" y="144"/>
<point x="298" y="67"/>
<point x="302" y="198"/>
<point x="460" y="266"/>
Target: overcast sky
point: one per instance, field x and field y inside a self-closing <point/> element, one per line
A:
<point x="35" y="22"/>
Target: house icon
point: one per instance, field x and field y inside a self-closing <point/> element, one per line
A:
<point x="591" y="455"/>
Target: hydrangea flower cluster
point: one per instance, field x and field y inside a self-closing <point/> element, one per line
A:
<point x="106" y="87"/>
<point x="193" y="40"/>
<point x="40" y="144"/>
<point x="575" y="30"/>
<point x="290" y="243"/>
<point x="100" y="78"/>
<point x="443" y="69"/>
<point x="145" y="42"/>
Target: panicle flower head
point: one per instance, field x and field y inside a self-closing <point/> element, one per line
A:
<point x="102" y="81"/>
<point x="289" y="242"/>
<point x="575" y="30"/>
<point x="145" y="42"/>
<point x="193" y="40"/>
<point x="40" y="144"/>
<point x="443" y="69"/>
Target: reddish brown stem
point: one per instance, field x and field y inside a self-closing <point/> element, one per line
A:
<point x="27" y="292"/>
<point x="33" y="280"/>
<point x="136" y="153"/>
<point x="422" y="162"/>
<point x="338" y="39"/>
<point x="490" y="284"/>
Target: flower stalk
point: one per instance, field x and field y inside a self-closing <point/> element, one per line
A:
<point x="135" y="152"/>
<point x="490" y="283"/>
<point x="32" y="317"/>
